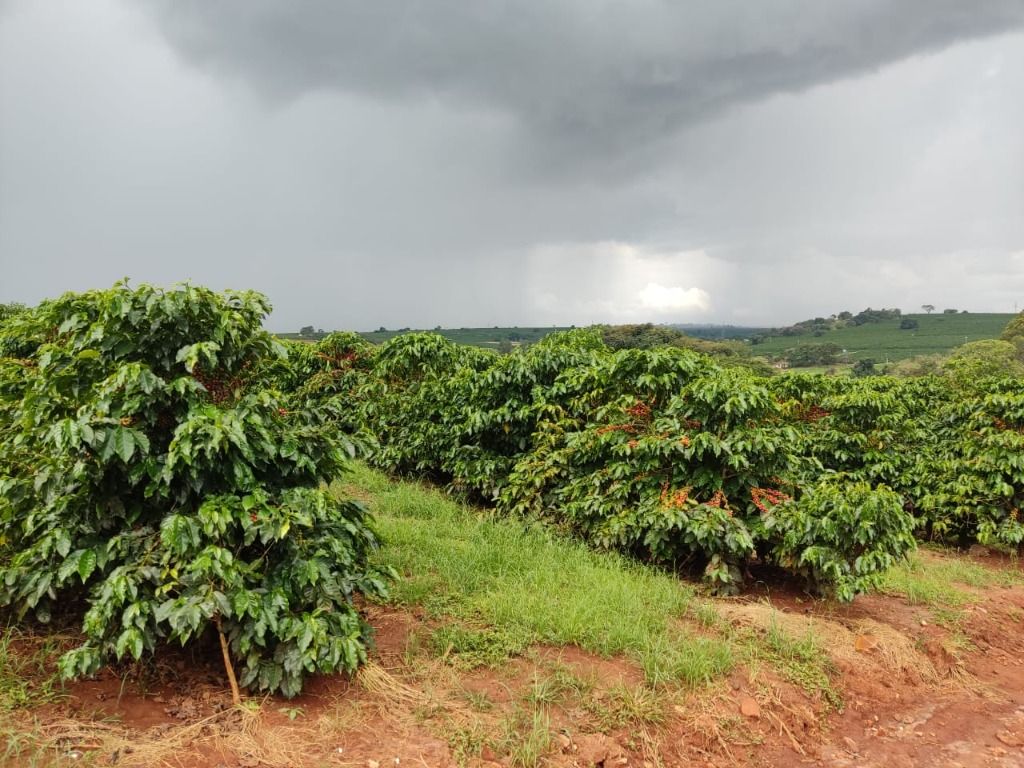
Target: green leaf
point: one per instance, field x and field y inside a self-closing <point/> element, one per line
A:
<point x="86" y="564"/>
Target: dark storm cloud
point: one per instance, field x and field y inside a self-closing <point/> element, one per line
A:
<point x="479" y="163"/>
<point x="595" y="83"/>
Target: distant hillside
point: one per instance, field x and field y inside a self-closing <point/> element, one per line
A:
<point x="885" y="340"/>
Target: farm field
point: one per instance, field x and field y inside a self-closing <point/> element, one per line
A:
<point x="240" y="552"/>
<point x="936" y="333"/>
<point x="505" y="645"/>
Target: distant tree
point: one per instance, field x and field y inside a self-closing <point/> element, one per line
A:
<point x="382" y="329"/>
<point x="306" y="330"/>
<point x="504" y="346"/>
<point x="845" y="316"/>
<point x="870" y="315"/>
<point x="928" y="308"/>
<point x="919" y="365"/>
<point x="864" y="367"/>
<point x="813" y="354"/>
<point x="908" y="324"/>
<point x="643" y="336"/>
<point x="949" y="312"/>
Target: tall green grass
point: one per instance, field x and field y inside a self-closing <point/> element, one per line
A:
<point x="521" y="584"/>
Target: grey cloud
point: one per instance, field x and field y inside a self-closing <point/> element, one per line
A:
<point x="595" y="83"/>
<point x="541" y="163"/>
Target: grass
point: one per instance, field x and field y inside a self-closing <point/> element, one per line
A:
<point x="801" y="658"/>
<point x="470" y="647"/>
<point x="623" y="705"/>
<point x="27" y="676"/>
<point x="526" y="737"/>
<point x="499" y="585"/>
<point x="27" y="679"/>
<point x="938" y="581"/>
<point x="937" y="333"/>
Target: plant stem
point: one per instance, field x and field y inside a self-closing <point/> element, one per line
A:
<point x="236" y="697"/>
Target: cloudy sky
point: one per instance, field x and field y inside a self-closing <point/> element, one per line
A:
<point x="493" y="162"/>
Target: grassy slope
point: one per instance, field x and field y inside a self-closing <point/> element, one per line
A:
<point x="885" y="340"/>
<point x="503" y="586"/>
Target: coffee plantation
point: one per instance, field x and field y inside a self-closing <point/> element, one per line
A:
<point x="664" y="454"/>
<point x="163" y="468"/>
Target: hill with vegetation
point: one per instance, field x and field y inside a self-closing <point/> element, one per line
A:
<point x="890" y="339"/>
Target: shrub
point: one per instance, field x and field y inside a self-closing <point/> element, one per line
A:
<point x="971" y="484"/>
<point x="150" y="484"/>
<point x="674" y="474"/>
<point x="840" y="536"/>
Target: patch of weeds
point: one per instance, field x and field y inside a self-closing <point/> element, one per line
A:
<point x="526" y="738"/>
<point x="571" y="682"/>
<point x="949" y="618"/>
<point x="920" y="585"/>
<point x="801" y="659"/>
<point x="466" y="741"/>
<point x="478" y="701"/>
<point x="962" y="570"/>
<point x="22" y="744"/>
<point x="414" y="646"/>
<point x="623" y="705"/>
<point x="954" y="622"/>
<point x="691" y="660"/>
<point x="467" y="647"/>
<point x="930" y="580"/>
<point x="735" y="730"/>
<point x="706" y="615"/>
<point x="545" y="691"/>
<point x="28" y="676"/>
<point x="474" y="567"/>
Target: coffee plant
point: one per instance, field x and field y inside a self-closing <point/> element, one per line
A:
<point x="659" y="452"/>
<point x="672" y="477"/>
<point x="841" y="536"/>
<point x="154" y="485"/>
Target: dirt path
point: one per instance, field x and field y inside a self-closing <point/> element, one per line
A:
<point x="979" y="721"/>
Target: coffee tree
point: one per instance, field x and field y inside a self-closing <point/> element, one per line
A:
<point x="150" y="484"/>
